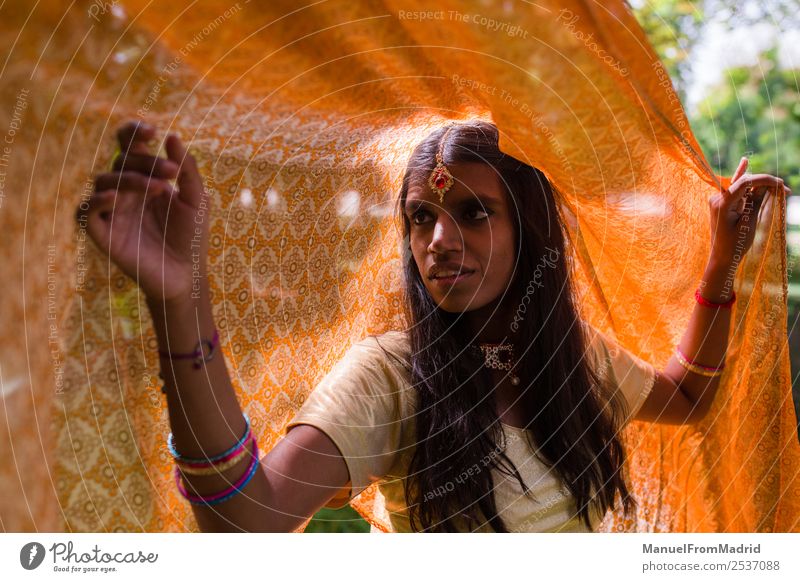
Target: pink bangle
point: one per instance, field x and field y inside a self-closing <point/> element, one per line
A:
<point x="225" y="494"/>
<point x="706" y="303"/>
<point x="693" y="363"/>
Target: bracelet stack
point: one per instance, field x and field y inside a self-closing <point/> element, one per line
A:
<point x="691" y="365"/>
<point x="245" y="446"/>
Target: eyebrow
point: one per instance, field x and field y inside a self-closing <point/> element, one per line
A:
<point x="416" y="203"/>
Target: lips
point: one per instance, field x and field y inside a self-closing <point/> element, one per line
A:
<point x="451" y="275"/>
<point x="448" y="270"/>
<point x="451" y="280"/>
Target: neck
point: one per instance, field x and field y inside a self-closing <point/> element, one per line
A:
<point x="489" y="324"/>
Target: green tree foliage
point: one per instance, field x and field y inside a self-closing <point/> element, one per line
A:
<point x="756" y="111"/>
<point x="673" y="27"/>
<point x="344" y="520"/>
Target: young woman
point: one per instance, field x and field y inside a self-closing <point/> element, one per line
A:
<point x="497" y="410"/>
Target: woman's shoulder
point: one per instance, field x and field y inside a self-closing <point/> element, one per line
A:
<point x="393" y="345"/>
<point x="369" y="368"/>
<point x="628" y="373"/>
<point x="601" y="343"/>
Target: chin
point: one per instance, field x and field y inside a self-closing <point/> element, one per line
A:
<point x="451" y="307"/>
<point x="455" y="305"/>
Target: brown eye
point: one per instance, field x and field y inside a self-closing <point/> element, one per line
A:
<point x="479" y="210"/>
<point x="416" y="215"/>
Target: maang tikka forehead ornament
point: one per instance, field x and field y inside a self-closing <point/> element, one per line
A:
<point x="441" y="179"/>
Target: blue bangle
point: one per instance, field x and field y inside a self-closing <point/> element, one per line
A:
<point x="178" y="457"/>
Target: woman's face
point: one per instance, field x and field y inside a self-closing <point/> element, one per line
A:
<point x="471" y="231"/>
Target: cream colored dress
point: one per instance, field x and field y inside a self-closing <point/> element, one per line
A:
<point x="365" y="404"/>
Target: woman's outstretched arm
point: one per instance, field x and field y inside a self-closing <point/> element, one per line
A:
<point x="298" y="476"/>
<point x="680" y="396"/>
<point x="158" y="236"/>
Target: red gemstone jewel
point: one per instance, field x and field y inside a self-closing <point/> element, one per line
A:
<point x="440" y="181"/>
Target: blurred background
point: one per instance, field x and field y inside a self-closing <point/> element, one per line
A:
<point x="736" y="67"/>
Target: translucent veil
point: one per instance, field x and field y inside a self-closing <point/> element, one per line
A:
<point x="302" y="118"/>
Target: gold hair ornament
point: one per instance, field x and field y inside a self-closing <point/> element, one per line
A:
<point x="441" y="180"/>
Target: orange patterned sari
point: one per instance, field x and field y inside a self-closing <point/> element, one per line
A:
<point x="302" y="119"/>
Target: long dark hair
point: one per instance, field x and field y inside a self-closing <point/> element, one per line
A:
<point x="459" y="438"/>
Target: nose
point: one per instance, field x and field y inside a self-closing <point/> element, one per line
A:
<point x="447" y="237"/>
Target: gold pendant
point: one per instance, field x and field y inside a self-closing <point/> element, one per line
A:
<point x="440" y="180"/>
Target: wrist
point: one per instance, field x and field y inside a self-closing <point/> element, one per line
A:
<point x="718" y="280"/>
<point x="718" y="263"/>
<point x="180" y="323"/>
<point x="720" y="266"/>
<point x="186" y="301"/>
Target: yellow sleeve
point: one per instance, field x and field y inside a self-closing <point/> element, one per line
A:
<point x="632" y="377"/>
<point x="357" y="404"/>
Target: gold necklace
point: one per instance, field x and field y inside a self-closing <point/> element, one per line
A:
<point x="491" y="357"/>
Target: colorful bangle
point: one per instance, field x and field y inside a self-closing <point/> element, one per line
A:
<point x="706" y="303"/>
<point x="210" y="460"/>
<point x="707" y="371"/>
<point x="225" y="494"/>
<point x="216" y="467"/>
<point x="199" y="356"/>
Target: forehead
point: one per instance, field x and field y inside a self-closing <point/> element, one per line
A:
<point x="471" y="181"/>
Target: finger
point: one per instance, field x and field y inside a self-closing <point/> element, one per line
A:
<point x="134" y="135"/>
<point x="148" y="165"/>
<point x="743" y="163"/>
<point x="747" y="184"/>
<point x="753" y="209"/>
<point x="757" y="180"/>
<point x="757" y="194"/>
<point x="190" y="183"/>
<point x="131" y="182"/>
<point x="97" y="217"/>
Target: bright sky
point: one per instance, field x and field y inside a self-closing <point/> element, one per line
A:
<point x="720" y="48"/>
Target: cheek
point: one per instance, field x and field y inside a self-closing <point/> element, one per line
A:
<point x="418" y="254"/>
<point x="499" y="264"/>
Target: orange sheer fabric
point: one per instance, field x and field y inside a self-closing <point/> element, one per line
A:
<point x="302" y="119"/>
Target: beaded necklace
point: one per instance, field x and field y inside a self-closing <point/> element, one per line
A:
<point x="492" y="358"/>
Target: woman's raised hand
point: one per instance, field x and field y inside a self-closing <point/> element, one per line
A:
<point x="734" y="213"/>
<point x="154" y="233"/>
